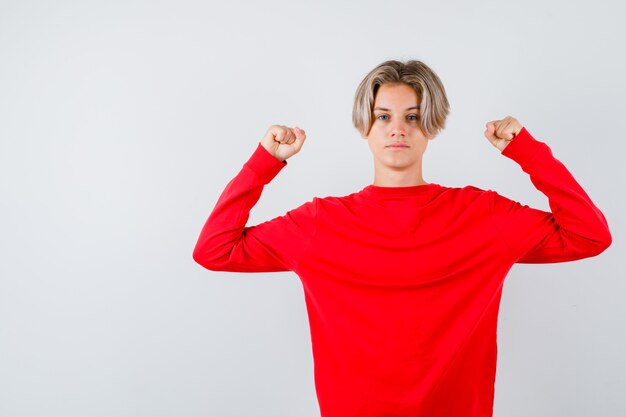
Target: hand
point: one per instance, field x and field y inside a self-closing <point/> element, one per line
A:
<point x="282" y="141"/>
<point x="501" y="132"/>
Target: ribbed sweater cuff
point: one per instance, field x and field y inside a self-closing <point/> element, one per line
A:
<point x="266" y="165"/>
<point x="523" y="148"/>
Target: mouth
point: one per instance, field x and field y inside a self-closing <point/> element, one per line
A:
<point x="398" y="146"/>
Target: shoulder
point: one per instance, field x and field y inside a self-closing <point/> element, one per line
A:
<point x="469" y="197"/>
<point x="470" y="191"/>
<point x="333" y="203"/>
<point x="338" y="200"/>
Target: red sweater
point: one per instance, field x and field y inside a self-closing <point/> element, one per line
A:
<point x="403" y="284"/>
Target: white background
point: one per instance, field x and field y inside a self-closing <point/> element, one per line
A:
<point x="122" y="121"/>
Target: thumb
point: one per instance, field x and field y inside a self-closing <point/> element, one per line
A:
<point x="300" y="137"/>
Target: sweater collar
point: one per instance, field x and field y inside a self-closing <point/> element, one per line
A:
<point x="376" y="190"/>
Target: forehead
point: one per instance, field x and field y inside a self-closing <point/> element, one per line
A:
<point x="396" y="96"/>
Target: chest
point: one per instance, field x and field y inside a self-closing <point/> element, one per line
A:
<point x="388" y="245"/>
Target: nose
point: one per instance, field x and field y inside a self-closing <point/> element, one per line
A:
<point x="398" y="129"/>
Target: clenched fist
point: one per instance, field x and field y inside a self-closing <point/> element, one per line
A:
<point x="501" y="132"/>
<point x="282" y="141"/>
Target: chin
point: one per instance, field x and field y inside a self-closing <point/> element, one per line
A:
<point x="398" y="165"/>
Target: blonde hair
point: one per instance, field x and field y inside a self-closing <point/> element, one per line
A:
<point x="434" y="106"/>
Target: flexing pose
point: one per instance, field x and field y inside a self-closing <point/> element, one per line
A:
<point x="403" y="279"/>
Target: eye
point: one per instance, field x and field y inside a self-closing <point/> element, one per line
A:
<point x="413" y="115"/>
<point x="382" y="115"/>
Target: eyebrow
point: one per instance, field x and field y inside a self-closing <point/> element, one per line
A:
<point x="384" y="109"/>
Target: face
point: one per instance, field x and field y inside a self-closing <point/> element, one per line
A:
<point x="396" y="116"/>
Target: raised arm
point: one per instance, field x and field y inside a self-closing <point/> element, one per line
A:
<point x="226" y="244"/>
<point x="574" y="229"/>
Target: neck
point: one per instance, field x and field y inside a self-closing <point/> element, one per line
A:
<point x="392" y="178"/>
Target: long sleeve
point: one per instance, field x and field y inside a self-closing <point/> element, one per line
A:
<point x="574" y="229"/>
<point x="226" y="244"/>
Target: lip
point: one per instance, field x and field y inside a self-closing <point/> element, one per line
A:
<point x="398" y="146"/>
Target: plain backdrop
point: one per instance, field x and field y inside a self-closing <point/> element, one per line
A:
<point x="121" y="122"/>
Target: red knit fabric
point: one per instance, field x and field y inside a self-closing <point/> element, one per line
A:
<point x="403" y="284"/>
